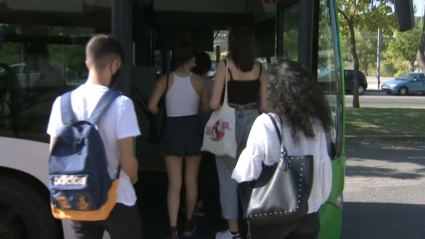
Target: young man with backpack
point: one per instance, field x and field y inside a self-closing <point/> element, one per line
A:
<point x="92" y="163"/>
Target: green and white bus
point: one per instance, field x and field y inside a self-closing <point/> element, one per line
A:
<point x="42" y="56"/>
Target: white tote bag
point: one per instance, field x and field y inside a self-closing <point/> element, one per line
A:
<point x="219" y="133"/>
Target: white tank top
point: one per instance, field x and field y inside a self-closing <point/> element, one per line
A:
<point x="182" y="99"/>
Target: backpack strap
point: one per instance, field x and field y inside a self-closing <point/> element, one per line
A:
<point x="68" y="115"/>
<point x="103" y="105"/>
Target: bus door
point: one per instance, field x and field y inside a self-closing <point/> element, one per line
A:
<point x="307" y="32"/>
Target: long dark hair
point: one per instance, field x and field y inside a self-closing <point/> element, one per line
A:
<point x="184" y="49"/>
<point x="294" y="94"/>
<point x="203" y="63"/>
<point x="242" y="47"/>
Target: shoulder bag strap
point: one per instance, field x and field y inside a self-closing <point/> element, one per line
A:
<point x="279" y="132"/>
<point x="226" y="100"/>
<point x="166" y="85"/>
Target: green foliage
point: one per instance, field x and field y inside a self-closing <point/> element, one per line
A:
<point x="290" y="34"/>
<point x="367" y="45"/>
<point x="70" y="57"/>
<point x="388" y="69"/>
<point x="405" y="45"/>
<point x="65" y="57"/>
<point x="367" y="15"/>
<point x="12" y="53"/>
<point x="384" y="121"/>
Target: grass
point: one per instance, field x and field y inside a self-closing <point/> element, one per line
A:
<point x="385" y="121"/>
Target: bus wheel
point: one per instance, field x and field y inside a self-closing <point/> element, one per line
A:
<point x="24" y="214"/>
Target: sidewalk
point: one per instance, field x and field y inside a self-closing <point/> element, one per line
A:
<point x="373" y="82"/>
<point x="353" y="139"/>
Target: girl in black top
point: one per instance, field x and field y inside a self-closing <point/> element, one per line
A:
<point x="246" y="82"/>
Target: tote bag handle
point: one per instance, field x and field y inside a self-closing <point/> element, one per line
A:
<point x="226" y="99"/>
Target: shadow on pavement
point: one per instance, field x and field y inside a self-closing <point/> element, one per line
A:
<point x="383" y="221"/>
<point x="407" y="156"/>
<point x="379" y="172"/>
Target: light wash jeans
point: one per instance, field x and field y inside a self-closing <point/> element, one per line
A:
<point x="226" y="164"/>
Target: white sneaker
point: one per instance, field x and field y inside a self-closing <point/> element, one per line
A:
<point x="227" y="235"/>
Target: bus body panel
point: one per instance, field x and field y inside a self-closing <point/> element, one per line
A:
<point x="331" y="222"/>
<point x="33" y="161"/>
<point x="32" y="157"/>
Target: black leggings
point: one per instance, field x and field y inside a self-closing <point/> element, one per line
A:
<point x="307" y="227"/>
<point x="123" y="222"/>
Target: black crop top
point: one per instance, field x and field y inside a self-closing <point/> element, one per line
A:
<point x="242" y="92"/>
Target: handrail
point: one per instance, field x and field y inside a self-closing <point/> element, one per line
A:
<point x="142" y="103"/>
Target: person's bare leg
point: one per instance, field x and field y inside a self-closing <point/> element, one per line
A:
<point x="234" y="225"/>
<point x="191" y="180"/>
<point x="174" y="171"/>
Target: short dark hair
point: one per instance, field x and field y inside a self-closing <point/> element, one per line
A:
<point x="184" y="49"/>
<point x="101" y="49"/>
<point x="293" y="93"/>
<point x="242" y="47"/>
<point x="203" y="63"/>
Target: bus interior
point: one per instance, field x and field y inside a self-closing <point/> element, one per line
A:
<point x="44" y="43"/>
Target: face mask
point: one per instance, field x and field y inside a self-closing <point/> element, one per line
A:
<point x="114" y="78"/>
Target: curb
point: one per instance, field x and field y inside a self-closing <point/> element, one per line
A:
<point x="349" y="139"/>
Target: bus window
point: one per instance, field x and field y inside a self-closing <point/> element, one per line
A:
<point x="327" y="66"/>
<point x="291" y="18"/>
<point x="38" y="63"/>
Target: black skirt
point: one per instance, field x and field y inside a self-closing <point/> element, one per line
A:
<point x="182" y="137"/>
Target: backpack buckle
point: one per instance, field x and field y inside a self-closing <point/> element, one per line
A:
<point x="76" y="143"/>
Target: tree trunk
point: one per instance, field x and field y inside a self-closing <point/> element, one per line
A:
<point x="411" y="66"/>
<point x="366" y="72"/>
<point x="420" y="55"/>
<point x="356" y="102"/>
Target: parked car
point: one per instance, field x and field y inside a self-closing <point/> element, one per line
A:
<point x="409" y="83"/>
<point x="34" y="76"/>
<point x="324" y="76"/>
<point x="349" y="81"/>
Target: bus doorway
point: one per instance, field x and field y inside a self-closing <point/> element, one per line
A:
<point x="281" y="30"/>
<point x="302" y="30"/>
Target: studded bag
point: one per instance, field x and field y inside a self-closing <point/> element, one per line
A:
<point x="280" y="195"/>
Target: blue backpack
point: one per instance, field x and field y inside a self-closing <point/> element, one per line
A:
<point x="80" y="186"/>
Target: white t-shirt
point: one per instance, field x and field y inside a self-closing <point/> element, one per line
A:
<point x="263" y="146"/>
<point x="118" y="122"/>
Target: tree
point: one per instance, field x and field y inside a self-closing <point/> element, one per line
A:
<point x="368" y="15"/>
<point x="366" y="44"/>
<point x="421" y="49"/>
<point x="405" y="45"/>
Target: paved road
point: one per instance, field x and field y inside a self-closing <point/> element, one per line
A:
<point x="382" y="100"/>
<point x="373" y="82"/>
<point x="385" y="192"/>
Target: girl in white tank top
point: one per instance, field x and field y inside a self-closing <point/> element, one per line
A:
<point x="182" y="99"/>
<point x="183" y="132"/>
